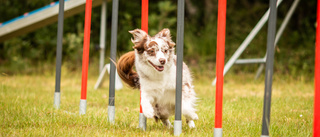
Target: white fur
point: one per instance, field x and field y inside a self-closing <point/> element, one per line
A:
<point x="158" y="87"/>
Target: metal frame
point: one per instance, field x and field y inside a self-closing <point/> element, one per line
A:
<point x="246" y="42"/>
<point x="234" y="59"/>
<point x="103" y="29"/>
<point x="106" y="68"/>
<point x="279" y="33"/>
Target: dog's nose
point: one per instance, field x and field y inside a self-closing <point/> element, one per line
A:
<point x="162" y="61"/>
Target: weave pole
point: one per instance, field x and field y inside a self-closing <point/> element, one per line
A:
<point x="144" y="27"/>
<point x="85" y="57"/>
<point x="180" y="36"/>
<point x="222" y="9"/>
<point x="269" y="68"/>
<point x="113" y="51"/>
<point x="316" y="113"/>
<point x="59" y="55"/>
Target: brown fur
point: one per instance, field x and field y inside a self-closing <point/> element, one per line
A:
<point x="125" y="70"/>
<point x="166" y="34"/>
<point x="139" y="40"/>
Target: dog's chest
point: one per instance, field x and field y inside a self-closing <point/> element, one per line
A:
<point x="166" y="82"/>
<point x="163" y="80"/>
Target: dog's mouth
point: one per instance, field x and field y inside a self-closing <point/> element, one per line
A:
<point x="159" y="68"/>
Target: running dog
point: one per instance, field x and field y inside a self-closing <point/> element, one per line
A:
<point x="154" y="60"/>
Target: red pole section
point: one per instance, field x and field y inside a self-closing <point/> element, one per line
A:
<point x="222" y="8"/>
<point x="86" y="45"/>
<point x="316" y="126"/>
<point x="144" y="25"/>
<point x="144" y="15"/>
<point x="140" y="103"/>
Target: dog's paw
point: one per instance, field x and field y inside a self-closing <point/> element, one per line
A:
<point x="169" y="126"/>
<point x="167" y="123"/>
<point x="149" y="113"/>
<point x="194" y="117"/>
<point x="191" y="124"/>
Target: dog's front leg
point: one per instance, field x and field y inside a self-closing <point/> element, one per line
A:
<point x="146" y="103"/>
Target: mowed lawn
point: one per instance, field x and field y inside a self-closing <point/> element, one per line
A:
<point x="26" y="107"/>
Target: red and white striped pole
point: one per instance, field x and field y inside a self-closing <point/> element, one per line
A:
<point x="144" y="27"/>
<point x="85" y="57"/>
<point x="316" y="113"/>
<point x="222" y="9"/>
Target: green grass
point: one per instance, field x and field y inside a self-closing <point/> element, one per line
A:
<point x="26" y="107"/>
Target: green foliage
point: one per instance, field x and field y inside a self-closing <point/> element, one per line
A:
<point x="294" y="54"/>
<point x="74" y="42"/>
<point x="161" y="19"/>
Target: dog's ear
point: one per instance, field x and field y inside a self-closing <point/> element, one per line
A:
<point x="165" y="34"/>
<point x="139" y="39"/>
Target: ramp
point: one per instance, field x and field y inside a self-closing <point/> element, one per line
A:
<point x="40" y="18"/>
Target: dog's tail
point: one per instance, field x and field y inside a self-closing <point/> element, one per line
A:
<point x="125" y="70"/>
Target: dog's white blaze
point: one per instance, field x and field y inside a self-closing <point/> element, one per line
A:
<point x="160" y="54"/>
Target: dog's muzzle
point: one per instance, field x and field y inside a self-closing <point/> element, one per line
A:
<point x="159" y="68"/>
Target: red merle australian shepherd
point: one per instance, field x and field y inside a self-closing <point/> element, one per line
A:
<point x="154" y="60"/>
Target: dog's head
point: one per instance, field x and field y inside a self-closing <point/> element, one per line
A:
<point x="157" y="51"/>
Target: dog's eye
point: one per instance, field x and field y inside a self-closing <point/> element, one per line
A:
<point x="151" y="52"/>
<point x="165" y="51"/>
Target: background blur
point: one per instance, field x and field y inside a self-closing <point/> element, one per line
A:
<point x="35" y="52"/>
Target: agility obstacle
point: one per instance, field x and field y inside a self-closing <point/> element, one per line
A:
<point x="245" y="43"/>
<point x="85" y="57"/>
<point x="59" y="48"/>
<point x="144" y="27"/>
<point x="180" y="38"/>
<point x="221" y="30"/>
<point x="316" y="113"/>
<point x="269" y="68"/>
<point x="59" y="55"/>
<point x="113" y="51"/>
<point x="235" y="57"/>
<point x="180" y="33"/>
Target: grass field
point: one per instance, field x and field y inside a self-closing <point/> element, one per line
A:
<point x="26" y="108"/>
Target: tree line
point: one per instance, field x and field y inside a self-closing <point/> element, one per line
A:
<point x="294" y="52"/>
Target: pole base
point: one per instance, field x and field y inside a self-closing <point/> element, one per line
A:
<point x="56" y="100"/>
<point x="83" y="107"/>
<point x="142" y="122"/>
<point x="111" y="114"/>
<point x="177" y="127"/>
<point x="264" y="135"/>
<point x="217" y="132"/>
